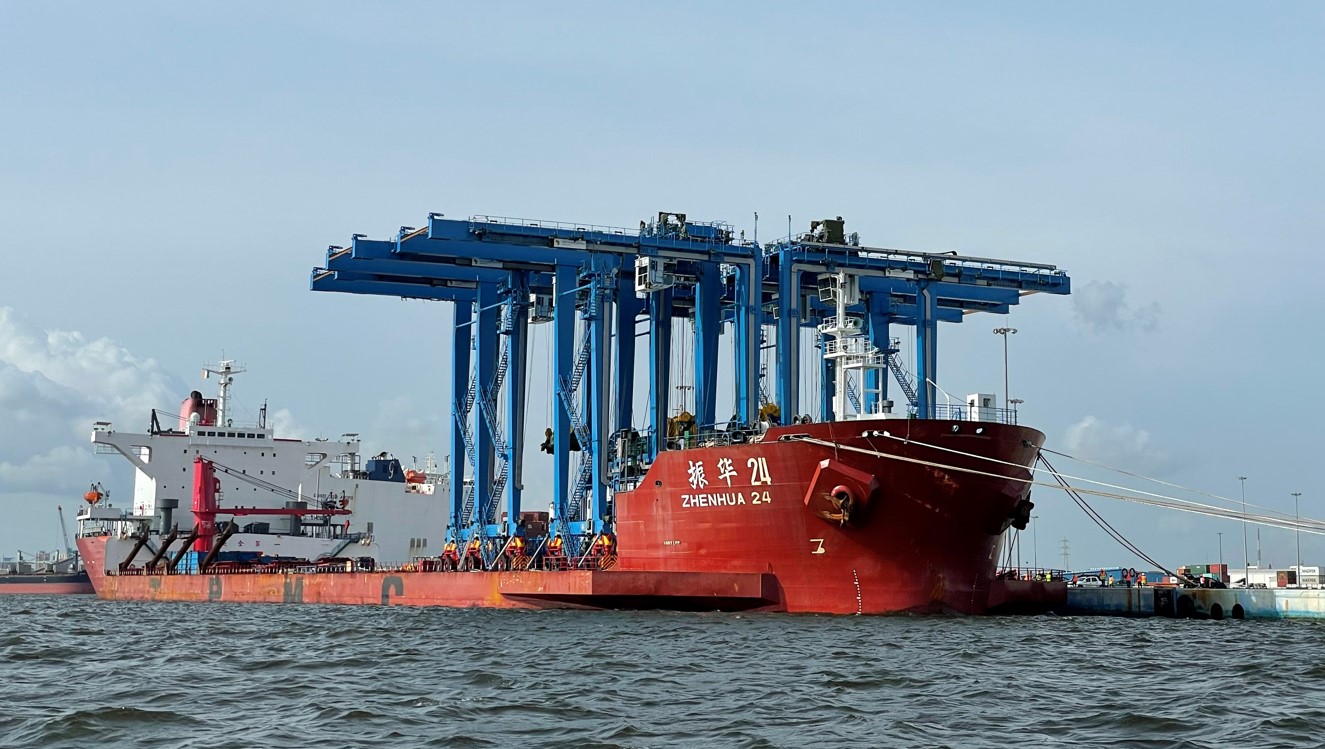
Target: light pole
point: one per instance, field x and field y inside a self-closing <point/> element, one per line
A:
<point x="1297" y="520"/>
<point x="1246" y="554"/>
<point x="1016" y="541"/>
<point x="1014" y="402"/>
<point x="1221" y="551"/>
<point x="1004" y="332"/>
<point x="1035" y="543"/>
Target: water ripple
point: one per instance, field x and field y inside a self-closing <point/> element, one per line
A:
<point x="117" y="675"/>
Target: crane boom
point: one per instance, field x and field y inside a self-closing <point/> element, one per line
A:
<point x="64" y="531"/>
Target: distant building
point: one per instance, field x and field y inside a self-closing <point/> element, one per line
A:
<point x="1270" y="577"/>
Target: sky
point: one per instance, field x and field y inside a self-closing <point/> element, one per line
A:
<point x="171" y="173"/>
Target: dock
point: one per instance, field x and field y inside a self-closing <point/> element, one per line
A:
<point x="1195" y="603"/>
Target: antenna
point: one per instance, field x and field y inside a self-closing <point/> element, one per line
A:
<point x="225" y="372"/>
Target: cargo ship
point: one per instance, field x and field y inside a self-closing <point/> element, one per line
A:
<point x="45" y="574"/>
<point x="856" y="511"/>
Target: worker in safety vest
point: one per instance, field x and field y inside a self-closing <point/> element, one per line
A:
<point x="451" y="555"/>
<point x="1141" y="580"/>
<point x="516" y="547"/>
<point x="553" y="555"/>
<point x="473" y="553"/>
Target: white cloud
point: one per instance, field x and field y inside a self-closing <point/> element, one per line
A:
<point x="66" y="470"/>
<point x="53" y="386"/>
<point x="283" y="425"/>
<point x="1118" y="446"/>
<point x="1102" y="306"/>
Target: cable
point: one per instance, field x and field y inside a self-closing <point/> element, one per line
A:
<point x="1310" y="526"/>
<point x="1217" y="510"/>
<point x="1101" y="522"/>
<point x="1162" y="482"/>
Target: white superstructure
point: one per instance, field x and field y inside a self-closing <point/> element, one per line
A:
<point x="392" y="519"/>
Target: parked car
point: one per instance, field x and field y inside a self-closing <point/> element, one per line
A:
<point x="1087" y="581"/>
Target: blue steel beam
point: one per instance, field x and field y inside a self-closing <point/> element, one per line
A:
<point x="928" y="267"/>
<point x="926" y="352"/>
<point x="515" y="398"/>
<point x="628" y="307"/>
<point x="381" y="257"/>
<point x="708" y="291"/>
<point x="601" y="295"/>
<point x="460" y="345"/>
<point x="366" y="284"/>
<point x="877" y="328"/>
<point x="563" y="321"/>
<point x="711" y="247"/>
<point x="826" y="381"/>
<point x="746" y="316"/>
<point x="660" y="368"/>
<point x="486" y="351"/>
<point x="903" y="311"/>
<point x="545" y="246"/>
<point x="788" y="340"/>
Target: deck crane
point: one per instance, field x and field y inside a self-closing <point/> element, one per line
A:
<point x="601" y="288"/>
<point x="69" y="549"/>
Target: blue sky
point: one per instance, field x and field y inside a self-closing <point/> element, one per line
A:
<point x="170" y="173"/>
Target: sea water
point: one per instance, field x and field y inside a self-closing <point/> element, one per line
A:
<point x="79" y="672"/>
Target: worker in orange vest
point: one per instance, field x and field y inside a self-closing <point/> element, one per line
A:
<point x="473" y="554"/>
<point x="515" y="549"/>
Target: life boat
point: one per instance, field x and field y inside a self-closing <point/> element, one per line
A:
<point x="415" y="477"/>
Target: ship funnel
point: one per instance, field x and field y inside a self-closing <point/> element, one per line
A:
<point x="167" y="507"/>
<point x="296" y="520"/>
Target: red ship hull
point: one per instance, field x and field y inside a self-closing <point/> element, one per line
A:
<point x="851" y="517"/>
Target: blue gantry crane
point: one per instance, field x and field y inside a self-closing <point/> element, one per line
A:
<point x="600" y="289"/>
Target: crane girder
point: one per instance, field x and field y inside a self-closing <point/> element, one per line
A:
<point x="503" y="274"/>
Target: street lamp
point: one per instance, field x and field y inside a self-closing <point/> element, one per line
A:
<point x="1035" y="543"/>
<point x="1297" y="520"/>
<point x="1246" y="555"/>
<point x="1004" y="332"/>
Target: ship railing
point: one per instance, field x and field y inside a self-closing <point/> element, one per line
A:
<point x="514" y="225"/>
<point x="714" y="436"/>
<point x="535" y="563"/>
<point x="1032" y="574"/>
<point x="963" y="412"/>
